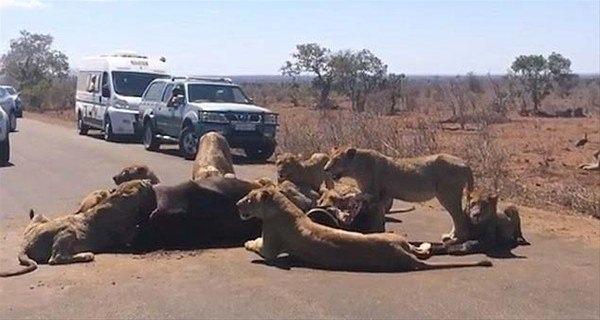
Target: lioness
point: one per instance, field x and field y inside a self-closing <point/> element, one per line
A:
<point x="213" y="157"/>
<point x="74" y="238"/>
<point x="310" y="175"/>
<point x="410" y="179"/>
<point x="593" y="166"/>
<point x="286" y="229"/>
<point x="132" y="172"/>
<point x="490" y="229"/>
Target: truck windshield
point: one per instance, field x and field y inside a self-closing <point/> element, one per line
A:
<point x="216" y="93"/>
<point x="133" y="84"/>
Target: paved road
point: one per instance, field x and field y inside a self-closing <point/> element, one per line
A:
<point x="53" y="168"/>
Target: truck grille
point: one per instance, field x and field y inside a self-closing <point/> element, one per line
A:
<point x="244" y="117"/>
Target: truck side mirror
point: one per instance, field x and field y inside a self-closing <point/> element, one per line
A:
<point x="175" y="101"/>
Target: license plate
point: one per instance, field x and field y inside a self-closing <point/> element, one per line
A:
<point x="245" y="126"/>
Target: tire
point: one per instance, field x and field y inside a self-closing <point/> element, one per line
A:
<point x="108" y="131"/>
<point x="149" y="139"/>
<point x="5" y="151"/>
<point x="188" y="142"/>
<point x="260" y="153"/>
<point x="82" y="128"/>
<point x="12" y="121"/>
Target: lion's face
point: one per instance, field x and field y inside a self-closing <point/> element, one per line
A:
<point x="482" y="207"/>
<point x="255" y="203"/>
<point x="347" y="206"/>
<point x="135" y="172"/>
<point x="288" y="167"/>
<point x="340" y="162"/>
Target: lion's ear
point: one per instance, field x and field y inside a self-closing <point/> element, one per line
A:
<point x="31" y="214"/>
<point x="351" y="152"/>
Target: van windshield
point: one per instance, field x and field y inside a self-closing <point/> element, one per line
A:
<point x="133" y="84"/>
<point x="216" y="93"/>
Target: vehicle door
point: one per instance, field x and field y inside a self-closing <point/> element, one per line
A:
<point x="93" y="106"/>
<point x="154" y="97"/>
<point x="175" y="117"/>
<point x="103" y="96"/>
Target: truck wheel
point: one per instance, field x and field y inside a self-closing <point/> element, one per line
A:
<point x="149" y="139"/>
<point x="82" y="128"/>
<point x="108" y="131"/>
<point x="5" y="151"/>
<point x="261" y="153"/>
<point x="188" y="142"/>
<point x="12" y="121"/>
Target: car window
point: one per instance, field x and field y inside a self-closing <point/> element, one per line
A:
<point x="155" y="91"/>
<point x="2" y="92"/>
<point x="11" y="90"/>
<point x="167" y="94"/>
<point x="216" y="93"/>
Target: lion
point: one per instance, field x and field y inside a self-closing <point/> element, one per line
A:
<point x="213" y="157"/>
<point x="410" y="179"/>
<point x="113" y="223"/>
<point x="286" y="229"/>
<point x="594" y="166"/>
<point x="491" y="229"/>
<point x="310" y="175"/>
<point x="132" y="172"/>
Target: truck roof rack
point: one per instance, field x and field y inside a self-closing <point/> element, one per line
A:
<point x="211" y="79"/>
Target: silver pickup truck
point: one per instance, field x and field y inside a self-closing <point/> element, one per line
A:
<point x="183" y="109"/>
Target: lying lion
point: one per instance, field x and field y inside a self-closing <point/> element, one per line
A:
<point x="75" y="238"/>
<point x="410" y="179"/>
<point x="286" y="229"/>
<point x="490" y="229"/>
<point x="593" y="166"/>
<point x="213" y="157"/>
<point x="132" y="172"/>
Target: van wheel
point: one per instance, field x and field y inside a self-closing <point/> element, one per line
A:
<point x="108" y="130"/>
<point x="188" y="142"/>
<point x="5" y="151"/>
<point x="260" y="153"/>
<point x="150" y="141"/>
<point x="82" y="128"/>
<point x="12" y="121"/>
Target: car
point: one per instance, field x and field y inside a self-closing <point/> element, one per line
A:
<point x="108" y="92"/>
<point x="4" y="138"/>
<point x="8" y="104"/>
<point x="182" y="109"/>
<point x="15" y="96"/>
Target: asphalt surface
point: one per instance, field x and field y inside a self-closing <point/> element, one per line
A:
<point x="53" y="168"/>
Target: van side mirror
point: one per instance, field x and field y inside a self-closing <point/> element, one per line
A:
<point x="105" y="92"/>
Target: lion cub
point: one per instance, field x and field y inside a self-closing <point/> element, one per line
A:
<point x="129" y="173"/>
<point x="286" y="229"/>
<point x="213" y="157"/>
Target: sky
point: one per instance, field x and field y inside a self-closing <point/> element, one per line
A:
<point x="256" y="38"/>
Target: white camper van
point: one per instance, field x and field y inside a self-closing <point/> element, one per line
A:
<point x="109" y="90"/>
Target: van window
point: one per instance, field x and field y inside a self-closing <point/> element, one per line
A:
<point x="155" y="91"/>
<point x="82" y="78"/>
<point x="93" y="83"/>
<point x="133" y="84"/>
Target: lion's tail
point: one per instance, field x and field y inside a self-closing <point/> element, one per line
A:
<point x="432" y="266"/>
<point x="24" y="260"/>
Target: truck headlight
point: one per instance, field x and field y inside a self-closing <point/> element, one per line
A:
<point x="270" y="118"/>
<point x="213" y="117"/>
